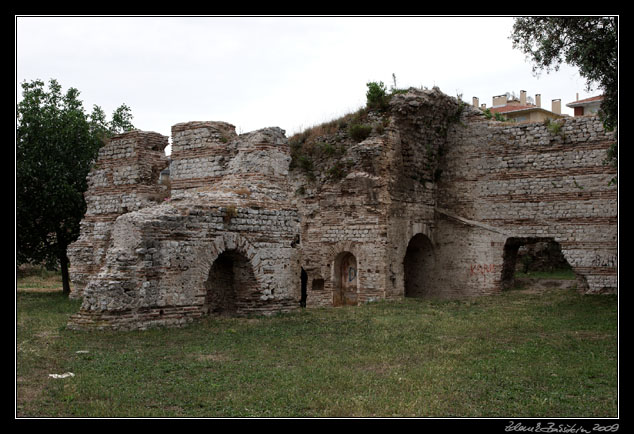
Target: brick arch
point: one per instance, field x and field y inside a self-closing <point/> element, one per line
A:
<point x="419" y="228"/>
<point x="234" y="241"/>
<point x="345" y="279"/>
<point x="226" y="242"/>
<point x="343" y="246"/>
<point x="339" y="254"/>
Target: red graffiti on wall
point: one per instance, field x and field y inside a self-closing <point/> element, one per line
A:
<point x="482" y="269"/>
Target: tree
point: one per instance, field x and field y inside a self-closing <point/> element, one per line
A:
<point x="589" y="43"/>
<point x="376" y="95"/>
<point x="56" y="145"/>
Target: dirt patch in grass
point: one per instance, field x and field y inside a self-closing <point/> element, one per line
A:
<point x="214" y="357"/>
<point x="538" y="285"/>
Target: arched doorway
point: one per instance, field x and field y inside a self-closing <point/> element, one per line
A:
<point x="418" y="266"/>
<point x="345" y="280"/>
<point x="230" y="285"/>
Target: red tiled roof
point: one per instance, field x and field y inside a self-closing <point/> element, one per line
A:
<point x="585" y="101"/>
<point x="512" y="108"/>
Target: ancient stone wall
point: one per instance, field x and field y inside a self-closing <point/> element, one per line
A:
<point x="417" y="138"/>
<point x="348" y="216"/>
<point x="160" y="266"/>
<point x="434" y="202"/>
<point x="124" y="179"/>
<point x="529" y="181"/>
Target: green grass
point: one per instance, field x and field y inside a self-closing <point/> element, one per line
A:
<point x="513" y="355"/>
<point x="36" y="278"/>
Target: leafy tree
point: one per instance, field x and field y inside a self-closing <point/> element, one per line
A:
<point x="376" y="95"/>
<point x="589" y="43"/>
<point x="121" y="120"/>
<point x="56" y="145"/>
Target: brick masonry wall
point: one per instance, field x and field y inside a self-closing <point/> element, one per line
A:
<point x="345" y="216"/>
<point x="417" y="139"/>
<point x="438" y="177"/>
<point x="532" y="181"/>
<point x="156" y="268"/>
<point x="124" y="179"/>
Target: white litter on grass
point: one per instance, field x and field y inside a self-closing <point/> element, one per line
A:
<point x="82" y="352"/>
<point x="64" y="375"/>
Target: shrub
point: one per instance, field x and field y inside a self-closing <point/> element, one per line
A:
<point x="359" y="132"/>
<point x="376" y="95"/>
<point x="500" y="117"/>
<point x="305" y="163"/>
<point x="327" y="148"/>
<point x="338" y="171"/>
<point x="553" y="126"/>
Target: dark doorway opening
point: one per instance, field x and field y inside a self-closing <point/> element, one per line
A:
<point x="304" y="284"/>
<point x="532" y="255"/>
<point x="230" y="283"/>
<point x="418" y="266"/>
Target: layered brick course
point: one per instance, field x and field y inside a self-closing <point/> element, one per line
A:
<point x="434" y="204"/>
<point x="531" y="182"/>
<point x="125" y="179"/>
<point x="158" y="266"/>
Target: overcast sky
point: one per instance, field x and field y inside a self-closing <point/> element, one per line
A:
<point x="290" y="72"/>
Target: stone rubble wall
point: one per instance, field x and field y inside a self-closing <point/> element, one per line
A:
<point x="161" y="257"/>
<point x="437" y="172"/>
<point x="418" y="137"/>
<point x="210" y="155"/>
<point x="124" y="179"/>
<point x="347" y="216"/>
<point x="158" y="259"/>
<point x="531" y="181"/>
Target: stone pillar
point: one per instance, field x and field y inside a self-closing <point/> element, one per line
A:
<point x="124" y="179"/>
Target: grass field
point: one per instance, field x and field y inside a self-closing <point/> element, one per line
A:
<point x="520" y="354"/>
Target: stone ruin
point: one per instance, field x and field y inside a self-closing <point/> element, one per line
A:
<point x="434" y="201"/>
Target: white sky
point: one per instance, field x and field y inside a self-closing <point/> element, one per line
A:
<point x="290" y="72"/>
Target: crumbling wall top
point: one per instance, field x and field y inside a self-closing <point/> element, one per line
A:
<point x="224" y="127"/>
<point x="212" y="162"/>
<point x="138" y="139"/>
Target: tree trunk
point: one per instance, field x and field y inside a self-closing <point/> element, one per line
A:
<point x="63" y="262"/>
